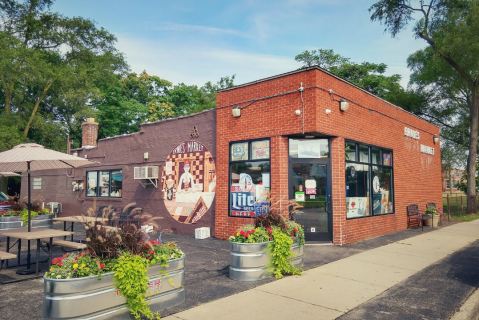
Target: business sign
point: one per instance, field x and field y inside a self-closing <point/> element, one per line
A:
<point x="242" y="202"/>
<point x="427" y="149"/>
<point x="411" y="133"/>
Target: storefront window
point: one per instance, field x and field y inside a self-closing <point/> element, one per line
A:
<point x="104" y="183"/>
<point x="369" y="186"/>
<point x="363" y="153"/>
<point x="357" y="190"/>
<point x="249" y="178"/>
<point x="309" y="148"/>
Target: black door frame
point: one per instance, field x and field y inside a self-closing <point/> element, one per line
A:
<point x="322" y="236"/>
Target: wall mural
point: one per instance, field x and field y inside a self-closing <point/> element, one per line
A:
<point x="189" y="181"/>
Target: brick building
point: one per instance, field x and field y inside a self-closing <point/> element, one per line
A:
<point x="352" y="159"/>
<point x="453" y="176"/>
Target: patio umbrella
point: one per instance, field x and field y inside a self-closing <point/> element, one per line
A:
<point x="9" y="174"/>
<point x="31" y="156"/>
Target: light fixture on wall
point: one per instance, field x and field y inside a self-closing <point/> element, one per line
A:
<point x="435" y="139"/>
<point x="145" y="156"/>
<point x="236" y="112"/>
<point x="343" y="105"/>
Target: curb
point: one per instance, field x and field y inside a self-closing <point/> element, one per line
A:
<point x="469" y="310"/>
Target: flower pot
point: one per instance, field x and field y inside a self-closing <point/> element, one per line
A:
<point x="90" y="298"/>
<point x="252" y="261"/>
<point x="42" y="221"/>
<point x="430" y="222"/>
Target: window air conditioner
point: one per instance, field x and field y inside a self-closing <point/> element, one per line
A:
<point x="149" y="172"/>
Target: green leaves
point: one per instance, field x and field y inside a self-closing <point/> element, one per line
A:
<point x="131" y="279"/>
<point x="282" y="255"/>
<point x="369" y="76"/>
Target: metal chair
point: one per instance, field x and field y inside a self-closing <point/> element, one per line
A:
<point x="414" y="213"/>
<point x="101" y="212"/>
<point x="128" y="215"/>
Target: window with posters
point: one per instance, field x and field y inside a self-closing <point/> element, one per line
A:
<point x="249" y="178"/>
<point x="369" y="181"/>
<point x="105" y="183"/>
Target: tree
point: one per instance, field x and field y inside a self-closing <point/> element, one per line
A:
<point x="47" y="59"/>
<point x="369" y="76"/>
<point x="452" y="157"/>
<point x="450" y="28"/>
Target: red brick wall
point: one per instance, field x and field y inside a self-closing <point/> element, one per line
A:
<point x="89" y="134"/>
<point x="417" y="176"/>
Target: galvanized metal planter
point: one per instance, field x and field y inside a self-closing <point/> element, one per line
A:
<point x="42" y="221"/>
<point x="251" y="261"/>
<point x="90" y="298"/>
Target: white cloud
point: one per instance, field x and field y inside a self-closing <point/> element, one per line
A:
<point x="176" y="27"/>
<point x="196" y="64"/>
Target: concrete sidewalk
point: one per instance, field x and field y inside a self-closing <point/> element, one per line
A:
<point x="334" y="289"/>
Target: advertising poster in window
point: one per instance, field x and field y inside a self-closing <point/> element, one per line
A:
<point x="189" y="183"/>
<point x="239" y="151"/>
<point x="260" y="149"/>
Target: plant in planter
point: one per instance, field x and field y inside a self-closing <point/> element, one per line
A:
<point x="17" y="215"/>
<point x="436" y="215"/>
<point x="270" y="245"/>
<point x="124" y="259"/>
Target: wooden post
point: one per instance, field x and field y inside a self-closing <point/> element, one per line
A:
<point x="448" y="210"/>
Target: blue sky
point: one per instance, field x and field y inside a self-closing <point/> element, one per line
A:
<point x="198" y="41"/>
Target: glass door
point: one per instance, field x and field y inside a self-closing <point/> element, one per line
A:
<point x="309" y="186"/>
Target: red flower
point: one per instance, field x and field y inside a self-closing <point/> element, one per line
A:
<point x="295" y="230"/>
<point x="286" y="226"/>
<point x="242" y="233"/>
<point x="292" y="234"/>
<point x="60" y="264"/>
<point x="151" y="252"/>
<point x="148" y="258"/>
<point x="246" y="235"/>
<point x="270" y="238"/>
<point x="102" y="266"/>
<point x="269" y="230"/>
<point x="253" y="231"/>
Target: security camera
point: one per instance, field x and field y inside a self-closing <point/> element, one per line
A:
<point x="297" y="112"/>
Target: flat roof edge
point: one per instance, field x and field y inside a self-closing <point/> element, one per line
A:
<point x="328" y="73"/>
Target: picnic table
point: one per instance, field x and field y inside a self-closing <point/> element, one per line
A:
<point x="74" y="219"/>
<point x="34" y="234"/>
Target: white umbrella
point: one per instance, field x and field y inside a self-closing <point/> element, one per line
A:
<point x="31" y="156"/>
<point x="9" y="174"/>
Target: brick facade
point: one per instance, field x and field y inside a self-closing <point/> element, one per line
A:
<point x="268" y="110"/>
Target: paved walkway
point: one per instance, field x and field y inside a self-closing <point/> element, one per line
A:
<point x="334" y="289"/>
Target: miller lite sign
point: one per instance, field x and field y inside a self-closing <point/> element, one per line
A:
<point x="242" y="202"/>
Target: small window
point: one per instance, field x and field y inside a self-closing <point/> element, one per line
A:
<point x="375" y="156"/>
<point x="386" y="158"/>
<point x="350" y="151"/>
<point x="308" y="148"/>
<point x="239" y="151"/>
<point x="105" y="183"/>
<point x="260" y="150"/>
<point x="37" y="183"/>
<point x="363" y="153"/>
<point x="448" y="184"/>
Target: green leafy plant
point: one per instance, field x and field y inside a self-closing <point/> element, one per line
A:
<point x="282" y="255"/>
<point x="131" y="279"/>
<point x="433" y="211"/>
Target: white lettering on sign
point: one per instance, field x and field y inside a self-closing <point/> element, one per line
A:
<point x="427" y="149"/>
<point x="411" y="133"/>
<point x="190" y="146"/>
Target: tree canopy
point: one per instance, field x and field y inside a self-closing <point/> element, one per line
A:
<point x="367" y="75"/>
<point x="449" y="63"/>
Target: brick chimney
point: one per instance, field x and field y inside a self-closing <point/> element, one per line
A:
<point x="89" y="133"/>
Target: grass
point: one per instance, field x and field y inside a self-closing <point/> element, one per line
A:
<point x="458" y="212"/>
